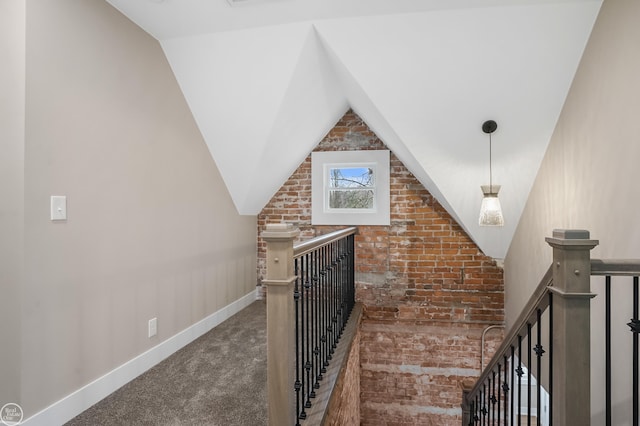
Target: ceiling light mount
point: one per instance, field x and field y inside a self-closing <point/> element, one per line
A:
<point x="489" y="126"/>
<point x="490" y="210"/>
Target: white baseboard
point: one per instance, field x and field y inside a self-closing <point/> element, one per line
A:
<point x="75" y="403"/>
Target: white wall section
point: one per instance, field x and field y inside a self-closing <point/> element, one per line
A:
<point x="152" y="231"/>
<point x="589" y="180"/>
<point x="12" y="140"/>
<point x="425" y="80"/>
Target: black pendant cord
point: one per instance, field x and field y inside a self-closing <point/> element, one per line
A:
<point x="490" y="171"/>
<point x="489" y="127"/>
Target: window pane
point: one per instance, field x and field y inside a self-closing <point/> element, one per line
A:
<point x="351" y="177"/>
<point x="350" y="187"/>
<point x="351" y="199"/>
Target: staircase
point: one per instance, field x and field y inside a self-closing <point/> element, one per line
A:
<point x="549" y="347"/>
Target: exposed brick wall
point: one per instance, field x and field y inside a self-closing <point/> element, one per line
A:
<point x="412" y="371"/>
<point x="426" y="288"/>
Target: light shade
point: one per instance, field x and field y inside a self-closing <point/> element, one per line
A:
<point x="490" y="209"/>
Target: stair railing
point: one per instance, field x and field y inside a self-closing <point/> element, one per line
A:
<point x="551" y="342"/>
<point x="609" y="269"/>
<point x="559" y="310"/>
<point x="310" y="295"/>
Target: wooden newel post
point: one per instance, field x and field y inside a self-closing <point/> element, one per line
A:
<point x="280" y="323"/>
<point x="571" y="356"/>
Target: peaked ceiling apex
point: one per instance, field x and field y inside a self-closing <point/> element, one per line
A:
<point x="424" y="76"/>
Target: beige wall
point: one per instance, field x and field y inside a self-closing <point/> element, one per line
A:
<point x="590" y="177"/>
<point x="12" y="52"/>
<point x="151" y="229"/>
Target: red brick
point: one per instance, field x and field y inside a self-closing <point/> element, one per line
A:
<point x="435" y="291"/>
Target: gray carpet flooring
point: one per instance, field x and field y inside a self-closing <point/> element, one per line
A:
<point x="219" y="379"/>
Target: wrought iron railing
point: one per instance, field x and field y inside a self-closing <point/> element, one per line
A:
<point x="324" y="296"/>
<point x="310" y="296"/>
<point x="631" y="270"/>
<point x="494" y="399"/>
<point x="549" y="346"/>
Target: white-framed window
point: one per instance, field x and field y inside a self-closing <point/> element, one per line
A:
<point x="350" y="188"/>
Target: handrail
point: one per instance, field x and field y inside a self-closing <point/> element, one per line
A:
<point x="323" y="296"/>
<point x="538" y="300"/>
<point x="565" y="293"/>
<point x="615" y="267"/>
<point x="322" y="240"/>
<point x="610" y="268"/>
<point x="311" y="294"/>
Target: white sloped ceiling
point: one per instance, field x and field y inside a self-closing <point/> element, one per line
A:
<point x="424" y="81"/>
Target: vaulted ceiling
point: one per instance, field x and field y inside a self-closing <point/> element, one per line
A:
<point x="267" y="79"/>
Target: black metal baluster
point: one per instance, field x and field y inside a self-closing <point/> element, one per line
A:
<point x="327" y="289"/>
<point x="314" y="314"/>
<point x="316" y="317"/>
<point x="520" y="372"/>
<point x="324" y="295"/>
<point x="347" y="278"/>
<point x="325" y="309"/>
<point x="484" y="404"/>
<point x="607" y="345"/>
<point x="330" y="281"/>
<point x="341" y="286"/>
<point x="346" y="311"/>
<point x="512" y="371"/>
<point x="472" y="413"/>
<point x="309" y="340"/>
<point x="330" y="330"/>
<point x="529" y="374"/>
<point x="296" y="299"/>
<point x="320" y="261"/>
<point x="493" y="397"/>
<point x="635" y="328"/>
<point x="505" y="390"/>
<point x="304" y="385"/>
<point x="350" y="283"/>
<point x="539" y="351"/>
<point x="499" y="395"/>
<point x="352" y="271"/>
<point x="334" y="298"/>
<point x="486" y="387"/>
<point x="479" y="420"/>
<point x="329" y="303"/>
<point x="551" y="358"/>
<point x="339" y="293"/>
<point x="308" y="366"/>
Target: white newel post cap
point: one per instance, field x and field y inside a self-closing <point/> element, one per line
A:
<point x="280" y="231"/>
<point x="571" y="237"/>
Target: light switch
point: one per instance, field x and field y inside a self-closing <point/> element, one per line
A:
<point x="58" y="207"/>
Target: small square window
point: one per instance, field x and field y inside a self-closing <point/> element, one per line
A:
<point x="350" y="188"/>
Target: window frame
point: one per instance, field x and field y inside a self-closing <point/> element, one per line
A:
<point x="323" y="161"/>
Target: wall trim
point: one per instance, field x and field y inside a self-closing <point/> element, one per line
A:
<point x="75" y="403"/>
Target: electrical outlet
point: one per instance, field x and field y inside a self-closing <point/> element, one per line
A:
<point x="153" y="327"/>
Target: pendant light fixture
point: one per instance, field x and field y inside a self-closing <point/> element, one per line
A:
<point x="490" y="210"/>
